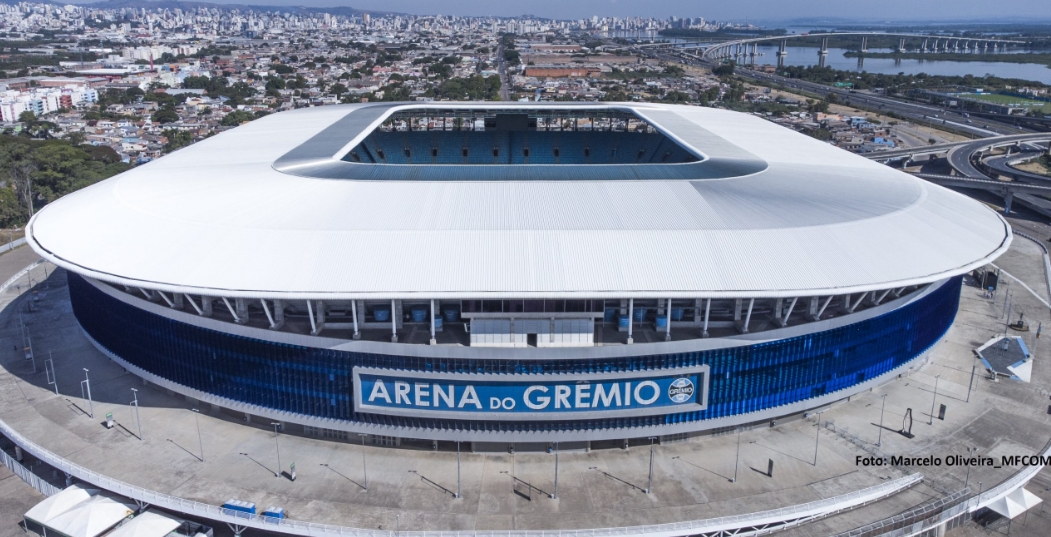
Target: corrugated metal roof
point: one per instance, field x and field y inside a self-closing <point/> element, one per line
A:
<point x="217" y="218"/>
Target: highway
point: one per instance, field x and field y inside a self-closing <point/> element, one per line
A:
<point x="959" y="157"/>
<point x="861" y="99"/>
<point x="884" y="104"/>
<point x="1001" y="166"/>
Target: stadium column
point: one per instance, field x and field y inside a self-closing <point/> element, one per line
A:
<point x="206" y="305"/>
<point x="631" y="319"/>
<point x="279" y="313"/>
<point x="707" y="311"/>
<point x="811" y="309"/>
<point x="242" y="310"/>
<point x="354" y="316"/>
<point x="393" y="322"/>
<point x="177" y="301"/>
<point x="433" y="340"/>
<point x="667" y="327"/>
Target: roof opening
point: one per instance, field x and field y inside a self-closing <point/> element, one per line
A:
<point x="528" y="136"/>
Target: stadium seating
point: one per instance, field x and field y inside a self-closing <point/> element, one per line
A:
<point x="496" y="147"/>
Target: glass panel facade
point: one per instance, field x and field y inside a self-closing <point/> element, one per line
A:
<point x="318" y="382"/>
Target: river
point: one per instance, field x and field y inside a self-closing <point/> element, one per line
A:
<point x="836" y="60"/>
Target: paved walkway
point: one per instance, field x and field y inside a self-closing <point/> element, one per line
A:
<point x="412" y="490"/>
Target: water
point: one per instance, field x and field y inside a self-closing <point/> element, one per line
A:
<point x="808" y="56"/>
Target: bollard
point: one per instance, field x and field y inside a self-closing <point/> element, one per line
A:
<point x="770" y="468"/>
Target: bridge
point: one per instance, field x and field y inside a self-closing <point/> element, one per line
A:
<point x="922" y="43"/>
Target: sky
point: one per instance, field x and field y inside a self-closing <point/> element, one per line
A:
<point x="751" y="10"/>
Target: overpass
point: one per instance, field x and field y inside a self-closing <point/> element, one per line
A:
<point x="971" y="171"/>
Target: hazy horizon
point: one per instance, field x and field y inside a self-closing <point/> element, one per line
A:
<point x="758" y="11"/>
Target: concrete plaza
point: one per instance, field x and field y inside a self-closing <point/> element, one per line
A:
<point x="414" y="489"/>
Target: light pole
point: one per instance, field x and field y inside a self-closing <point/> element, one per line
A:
<point x="136" y="403"/>
<point x="457" y="469"/>
<point x="817" y="437"/>
<point x="52" y="377"/>
<point x="200" y="443"/>
<point x="935" y="399"/>
<point x="974" y="366"/>
<point x="737" y="462"/>
<point x="879" y="441"/>
<point x="364" y="468"/>
<point x="967" y="480"/>
<point x="649" y="481"/>
<point x="277" y="447"/>
<point x="87" y="383"/>
<point x="554" y="495"/>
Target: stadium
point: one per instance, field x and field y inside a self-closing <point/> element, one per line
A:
<point x="515" y="274"/>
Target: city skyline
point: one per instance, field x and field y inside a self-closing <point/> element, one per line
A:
<point x="762" y="11"/>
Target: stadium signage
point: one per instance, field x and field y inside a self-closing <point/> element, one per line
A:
<point x="530" y="396"/>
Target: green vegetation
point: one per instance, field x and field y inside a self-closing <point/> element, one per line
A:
<point x="1012" y="100"/>
<point x="724" y="70"/>
<point x="238" y="117"/>
<point x="53" y="168"/>
<point x="219" y="86"/>
<point x="900" y="83"/>
<point x="176" y="139"/>
<point x="475" y="88"/>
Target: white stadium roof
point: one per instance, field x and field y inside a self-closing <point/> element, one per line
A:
<point x="800" y="218"/>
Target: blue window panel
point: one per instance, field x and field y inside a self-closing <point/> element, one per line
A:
<point x="317" y="382"/>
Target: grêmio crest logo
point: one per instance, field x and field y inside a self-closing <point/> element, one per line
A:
<point x="680" y="390"/>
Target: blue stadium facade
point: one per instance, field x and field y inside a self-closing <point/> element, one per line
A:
<point x="311" y="385"/>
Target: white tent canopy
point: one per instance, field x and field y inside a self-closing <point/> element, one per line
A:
<point x="92" y="517"/>
<point x="148" y="524"/>
<point x="1015" y="503"/>
<point x="60" y="503"/>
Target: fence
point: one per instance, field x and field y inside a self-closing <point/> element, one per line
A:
<point x="43" y="487"/>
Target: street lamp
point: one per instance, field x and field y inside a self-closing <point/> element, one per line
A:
<point x="935" y="399"/>
<point x="457" y="469"/>
<point x="737" y="462"/>
<point x="364" y="468"/>
<point x="200" y="443"/>
<point x="136" y="403"/>
<point x="879" y="441"/>
<point x="967" y="480"/>
<point x="649" y="481"/>
<point x="87" y="383"/>
<point x="277" y="447"/>
<point x="554" y="495"/>
<point x="817" y="436"/>
<point x="974" y="366"/>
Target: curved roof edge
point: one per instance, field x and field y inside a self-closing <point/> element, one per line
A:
<point x="481" y="295"/>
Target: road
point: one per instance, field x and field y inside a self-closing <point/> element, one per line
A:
<point x="959" y="157"/>
<point x="501" y="67"/>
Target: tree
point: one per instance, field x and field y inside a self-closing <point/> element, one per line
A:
<point x="27" y="117"/>
<point x="723" y="70"/>
<point x="166" y="114"/>
<point x="177" y="139"/>
<point x="338" y="89"/>
<point x="236" y="118"/>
